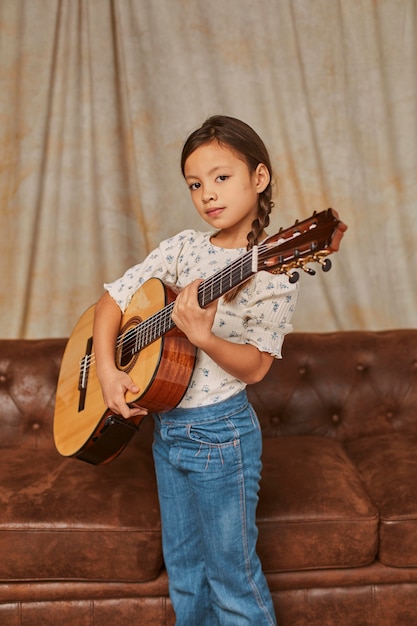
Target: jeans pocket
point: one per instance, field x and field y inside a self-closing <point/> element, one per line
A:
<point x="220" y="432"/>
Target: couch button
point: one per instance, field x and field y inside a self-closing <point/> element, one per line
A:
<point x="360" y="367"/>
<point x="3" y="378"/>
<point x="36" y="426"/>
<point x="275" y="420"/>
<point x="335" y="418"/>
<point x="390" y="415"/>
<point x="302" y="370"/>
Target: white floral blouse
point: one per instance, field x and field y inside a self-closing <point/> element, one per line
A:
<point x="259" y="315"/>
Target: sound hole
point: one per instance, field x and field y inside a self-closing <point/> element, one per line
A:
<point x="128" y="348"/>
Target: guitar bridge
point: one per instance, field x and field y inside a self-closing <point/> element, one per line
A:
<point x="84" y="371"/>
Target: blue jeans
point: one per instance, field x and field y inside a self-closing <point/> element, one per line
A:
<point x="208" y="464"/>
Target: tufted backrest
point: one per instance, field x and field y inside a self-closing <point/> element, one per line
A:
<point x="28" y="376"/>
<point x="342" y="385"/>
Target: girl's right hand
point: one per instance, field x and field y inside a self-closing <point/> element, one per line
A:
<point x="114" y="385"/>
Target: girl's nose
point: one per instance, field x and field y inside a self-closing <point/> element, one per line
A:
<point x="209" y="195"/>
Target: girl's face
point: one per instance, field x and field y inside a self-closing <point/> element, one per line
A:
<point x="224" y="191"/>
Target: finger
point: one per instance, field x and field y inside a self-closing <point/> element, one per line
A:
<point x="193" y="288"/>
<point x="138" y="410"/>
<point x="128" y="411"/>
<point x="190" y="291"/>
<point x="132" y="387"/>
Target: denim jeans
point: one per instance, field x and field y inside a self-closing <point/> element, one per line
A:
<point x="208" y="464"/>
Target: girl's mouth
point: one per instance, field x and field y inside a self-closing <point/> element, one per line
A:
<point x="214" y="211"/>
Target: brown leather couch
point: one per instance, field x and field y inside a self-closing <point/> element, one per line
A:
<point x="80" y="544"/>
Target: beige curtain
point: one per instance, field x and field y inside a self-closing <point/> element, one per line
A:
<point x="97" y="96"/>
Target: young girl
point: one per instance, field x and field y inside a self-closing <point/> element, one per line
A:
<point x="207" y="450"/>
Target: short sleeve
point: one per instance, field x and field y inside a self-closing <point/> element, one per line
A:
<point x="266" y="306"/>
<point x="269" y="312"/>
<point x="161" y="263"/>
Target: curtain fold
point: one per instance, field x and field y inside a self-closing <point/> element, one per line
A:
<point x="97" y="97"/>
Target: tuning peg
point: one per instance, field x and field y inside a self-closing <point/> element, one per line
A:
<point x="294" y="276"/>
<point x="326" y="265"/>
<point x="308" y="270"/>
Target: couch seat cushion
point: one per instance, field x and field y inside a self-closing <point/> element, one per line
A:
<point x="314" y="511"/>
<point x="65" y="519"/>
<point x="388" y="465"/>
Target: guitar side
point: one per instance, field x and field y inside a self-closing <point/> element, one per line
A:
<point x="83" y="426"/>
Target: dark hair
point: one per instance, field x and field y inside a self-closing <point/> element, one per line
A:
<point x="240" y="137"/>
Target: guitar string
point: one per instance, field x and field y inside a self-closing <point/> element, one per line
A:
<point x="161" y="322"/>
<point x="158" y="324"/>
<point x="130" y="339"/>
<point x="213" y="283"/>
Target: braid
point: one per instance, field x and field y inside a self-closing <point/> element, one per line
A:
<point x="265" y="206"/>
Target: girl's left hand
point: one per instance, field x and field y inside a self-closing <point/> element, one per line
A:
<point x="195" y="322"/>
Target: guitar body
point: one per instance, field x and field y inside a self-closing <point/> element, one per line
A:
<point x="83" y="426"/>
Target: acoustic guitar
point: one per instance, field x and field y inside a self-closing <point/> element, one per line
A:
<point x="155" y="353"/>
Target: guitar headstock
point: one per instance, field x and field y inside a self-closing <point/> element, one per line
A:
<point x="310" y="240"/>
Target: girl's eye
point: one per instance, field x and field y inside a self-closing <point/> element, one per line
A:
<point x="194" y="186"/>
<point x="222" y="177"/>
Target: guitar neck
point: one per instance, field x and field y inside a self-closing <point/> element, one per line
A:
<point x="309" y="240"/>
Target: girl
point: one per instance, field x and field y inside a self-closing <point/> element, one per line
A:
<point x="207" y="450"/>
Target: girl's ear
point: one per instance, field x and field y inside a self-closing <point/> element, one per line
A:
<point x="262" y="177"/>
